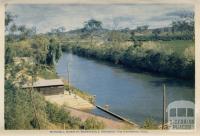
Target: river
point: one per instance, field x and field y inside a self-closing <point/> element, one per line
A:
<point x="136" y="96"/>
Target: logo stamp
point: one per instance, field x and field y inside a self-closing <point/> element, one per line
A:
<point x="181" y="115"/>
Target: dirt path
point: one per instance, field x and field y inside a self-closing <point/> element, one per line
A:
<point x="70" y="100"/>
<point x="109" y="123"/>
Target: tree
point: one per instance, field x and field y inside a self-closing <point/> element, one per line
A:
<point x="141" y="29"/>
<point x="62" y="29"/>
<point x="26" y="32"/>
<point x="91" y="29"/>
<point x="22" y="28"/>
<point x="156" y="32"/>
<point x="9" y="54"/>
<point x="9" y="18"/>
<point x="40" y="49"/>
<point x="92" y="25"/>
<point x="54" y="52"/>
<point x="184" y="24"/>
<point x="50" y="59"/>
<point x="58" y="31"/>
<point x="58" y="52"/>
<point x="13" y="28"/>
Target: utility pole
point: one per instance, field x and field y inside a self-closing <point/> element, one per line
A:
<point x="68" y="77"/>
<point x="164" y="106"/>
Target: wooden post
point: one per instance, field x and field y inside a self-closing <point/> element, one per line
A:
<point x="94" y="99"/>
<point x="164" y="106"/>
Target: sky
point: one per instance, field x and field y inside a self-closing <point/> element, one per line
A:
<point x="113" y="16"/>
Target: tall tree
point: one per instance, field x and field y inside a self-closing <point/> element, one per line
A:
<point x="54" y="52"/>
<point x="92" y="25"/>
<point x="9" y="18"/>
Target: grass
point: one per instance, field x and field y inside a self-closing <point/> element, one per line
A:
<point x="47" y="73"/>
<point x="86" y="96"/>
<point x="177" y="46"/>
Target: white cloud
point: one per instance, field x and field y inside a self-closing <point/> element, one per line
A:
<point x="45" y="17"/>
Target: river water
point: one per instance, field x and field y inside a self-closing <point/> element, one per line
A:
<point x="136" y="96"/>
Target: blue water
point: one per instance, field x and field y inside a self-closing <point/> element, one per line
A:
<point x="136" y="96"/>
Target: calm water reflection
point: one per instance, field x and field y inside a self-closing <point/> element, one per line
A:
<point x="136" y="96"/>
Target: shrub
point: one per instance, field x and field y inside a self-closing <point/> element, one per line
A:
<point x="92" y="123"/>
<point x="149" y="123"/>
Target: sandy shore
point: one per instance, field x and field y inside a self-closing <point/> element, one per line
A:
<point x="70" y="100"/>
<point x="76" y="104"/>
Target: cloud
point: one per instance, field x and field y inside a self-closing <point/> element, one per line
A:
<point x="162" y="18"/>
<point x="73" y="16"/>
<point x="180" y="13"/>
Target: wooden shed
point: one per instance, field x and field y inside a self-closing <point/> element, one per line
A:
<point x="48" y="87"/>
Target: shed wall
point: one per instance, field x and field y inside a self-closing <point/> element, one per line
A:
<point x="51" y="90"/>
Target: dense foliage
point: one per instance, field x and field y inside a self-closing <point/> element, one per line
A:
<point x="19" y="109"/>
<point x="168" y="50"/>
<point x="42" y="49"/>
<point x="27" y="57"/>
<point x="19" y="112"/>
<point x="27" y="109"/>
<point x="151" y="56"/>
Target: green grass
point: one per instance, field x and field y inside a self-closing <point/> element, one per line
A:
<point x="47" y="73"/>
<point x="178" y="46"/>
<point x="84" y="95"/>
<point x="80" y="93"/>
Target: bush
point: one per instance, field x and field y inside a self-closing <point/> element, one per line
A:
<point x="60" y="115"/>
<point x="149" y="123"/>
<point x="92" y="123"/>
<point x="19" y="109"/>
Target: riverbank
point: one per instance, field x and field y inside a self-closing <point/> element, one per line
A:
<point x="109" y="123"/>
<point x="77" y="101"/>
<point x="71" y="100"/>
<point x="170" y="58"/>
<point x="77" y="106"/>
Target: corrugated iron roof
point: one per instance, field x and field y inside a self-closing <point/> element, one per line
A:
<point x="43" y="83"/>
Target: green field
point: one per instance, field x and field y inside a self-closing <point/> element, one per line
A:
<point x="178" y="46"/>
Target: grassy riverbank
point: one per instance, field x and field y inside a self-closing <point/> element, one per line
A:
<point x="86" y="96"/>
<point x="171" y="58"/>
